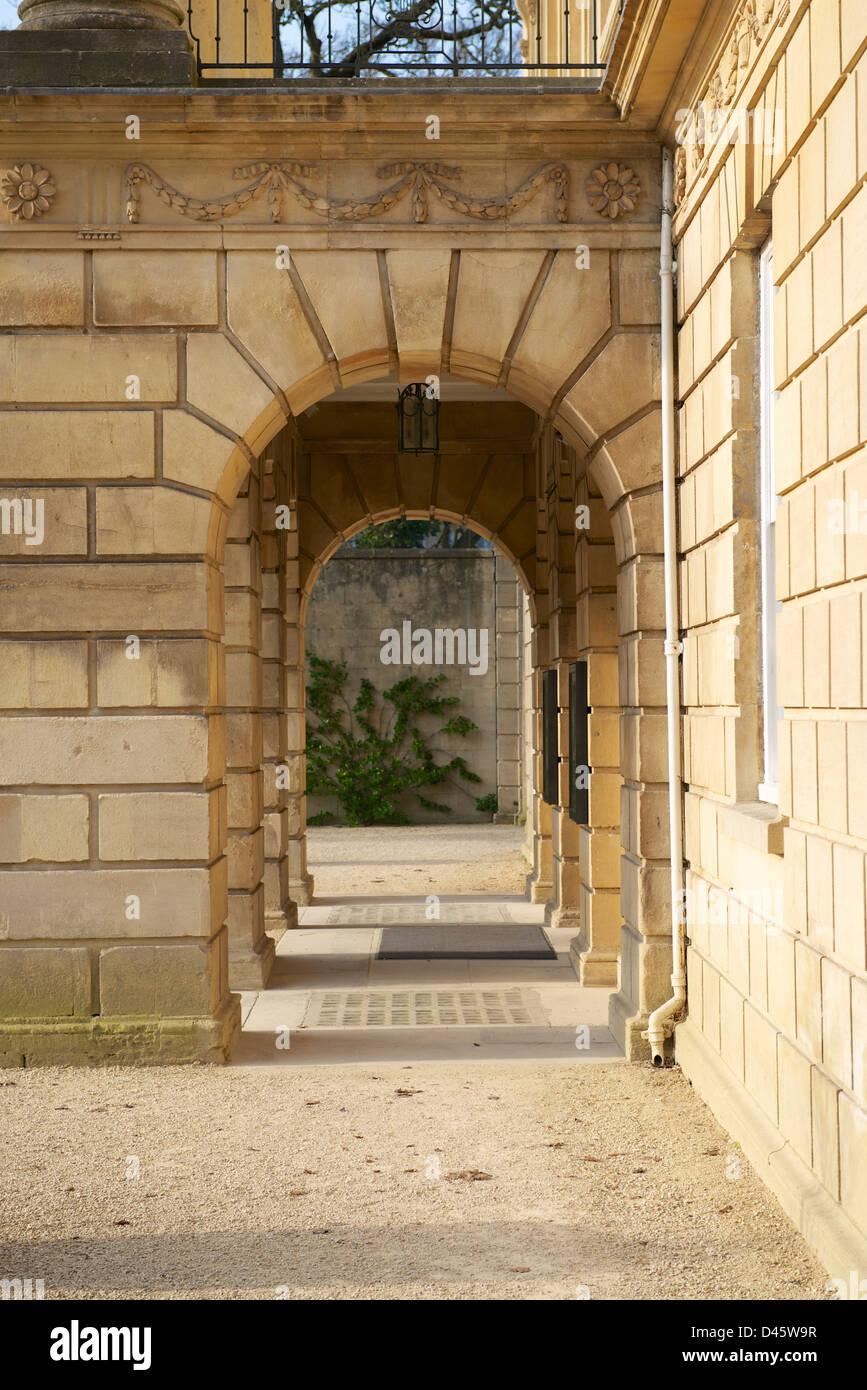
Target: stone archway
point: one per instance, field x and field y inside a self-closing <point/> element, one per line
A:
<point x="578" y="347"/>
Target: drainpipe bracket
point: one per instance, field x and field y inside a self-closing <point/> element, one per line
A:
<point x="672" y="648"/>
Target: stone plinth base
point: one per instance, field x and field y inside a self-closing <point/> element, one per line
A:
<point x="96" y="58"/>
<point x="253" y="969"/>
<point x="568" y="918"/>
<point x="115" y="1042"/>
<point x="300" y="890"/>
<point x="278" y="923"/>
<point x="627" y="1027"/>
<point x="538" y="890"/>
<point x="593" y="971"/>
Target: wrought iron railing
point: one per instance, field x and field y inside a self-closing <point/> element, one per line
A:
<point x="340" y="39"/>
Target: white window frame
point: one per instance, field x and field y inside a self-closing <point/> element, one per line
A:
<point x="769" y="785"/>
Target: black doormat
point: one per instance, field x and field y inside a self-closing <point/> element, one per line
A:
<point x="438" y="942"/>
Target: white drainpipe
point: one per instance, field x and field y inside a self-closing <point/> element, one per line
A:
<point x="660" y="1024"/>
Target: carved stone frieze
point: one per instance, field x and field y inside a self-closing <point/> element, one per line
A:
<point x="713" y="112"/>
<point x="413" y="180"/>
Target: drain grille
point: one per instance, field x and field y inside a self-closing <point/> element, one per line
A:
<point x="410" y="914"/>
<point x="430" y="1008"/>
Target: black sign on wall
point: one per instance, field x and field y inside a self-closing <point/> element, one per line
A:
<point x="550" y="750"/>
<point x="579" y="744"/>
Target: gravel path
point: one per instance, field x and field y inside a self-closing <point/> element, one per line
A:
<point x="440" y="859"/>
<point x="440" y="1180"/>
<point x="552" y="1181"/>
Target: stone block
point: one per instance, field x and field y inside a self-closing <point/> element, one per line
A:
<point x="853" y="1160"/>
<point x="151" y="521"/>
<point x="75" y="749"/>
<point x="245" y="807"/>
<point x="110" y="598"/>
<point x="837" y="1022"/>
<point x="155" y="288"/>
<point x="731" y="1026"/>
<point x="243" y="679"/>
<point x="41" y="289"/>
<point x="808" y="986"/>
<point x="825" y="1123"/>
<point x="781" y="979"/>
<point x="91" y="368"/>
<point x="37" y="521"/>
<point x="156" y="981"/>
<point x="795" y="1106"/>
<point x="243" y="620"/>
<point x="202" y="457"/>
<point x="51" y="829"/>
<point x="246" y="855"/>
<point x="43" y="675"/>
<point x="850" y="934"/>
<point x="103" y="903"/>
<point x="162" y="825"/>
<point x="44" y="982"/>
<point x="221" y="383"/>
<point x="179" y="672"/>
<point x="243" y="740"/>
<point x="859" y="1038"/>
<point x="760" y="1060"/>
<point x="76" y="444"/>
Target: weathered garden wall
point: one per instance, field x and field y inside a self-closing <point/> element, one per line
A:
<point x="359" y="594"/>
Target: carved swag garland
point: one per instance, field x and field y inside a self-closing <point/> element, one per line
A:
<point x="418" y="181"/>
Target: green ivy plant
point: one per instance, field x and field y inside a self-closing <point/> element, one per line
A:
<point x="368" y="756"/>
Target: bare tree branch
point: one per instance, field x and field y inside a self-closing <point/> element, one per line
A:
<point x="481" y="34"/>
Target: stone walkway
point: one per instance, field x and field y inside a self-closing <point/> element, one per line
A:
<point x="282" y="1025"/>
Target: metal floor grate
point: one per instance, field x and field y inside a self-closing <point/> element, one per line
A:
<point x="409" y="914"/>
<point x="429" y="1008"/>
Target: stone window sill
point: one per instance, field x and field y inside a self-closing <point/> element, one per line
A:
<point x="754" y="823"/>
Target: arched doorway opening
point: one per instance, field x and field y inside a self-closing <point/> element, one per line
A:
<point x="514" y="479"/>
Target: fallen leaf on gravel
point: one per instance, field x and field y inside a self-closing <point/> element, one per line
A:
<point x="712" y="1152"/>
<point x="410" y="1170"/>
<point x="469" y="1175"/>
<point x="298" y="1192"/>
<point x="311" y="1171"/>
<point x="617" y="1155"/>
<point x="321" y="1231"/>
<point x="556" y="1144"/>
<point x="639" y="1170"/>
<point x="97" y="1109"/>
<point x="313" y="1102"/>
<point x="520" y="1269"/>
<point x="588" y="1158"/>
<point x="122" y="1223"/>
<point x="723" y="1210"/>
<point x="409" y="1092"/>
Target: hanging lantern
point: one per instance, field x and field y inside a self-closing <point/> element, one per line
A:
<point x="418" y="419"/>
